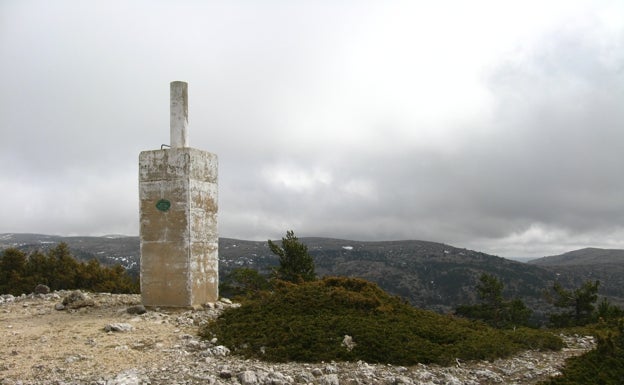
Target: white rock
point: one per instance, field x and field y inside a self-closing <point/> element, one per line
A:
<point x="488" y="375"/>
<point x="72" y="359"/>
<point x="247" y="377"/>
<point x="316" y="372"/>
<point x="306" y="377"/>
<point x="277" y="378"/>
<point x="128" y="377"/>
<point x="8" y="298"/>
<point x="348" y="342"/>
<point x="218" y="351"/>
<point x="118" y="327"/>
<point x="452" y="380"/>
<point x="401" y="380"/>
<point x="330" y="379"/>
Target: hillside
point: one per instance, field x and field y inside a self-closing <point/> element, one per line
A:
<point x="575" y="267"/>
<point x="429" y="275"/>
<point x="587" y="256"/>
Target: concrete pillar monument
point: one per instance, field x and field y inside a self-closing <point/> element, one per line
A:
<point x="178" y="217"/>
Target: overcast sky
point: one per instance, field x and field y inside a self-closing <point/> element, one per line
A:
<point x="496" y="126"/>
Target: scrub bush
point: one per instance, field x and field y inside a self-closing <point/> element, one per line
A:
<point x="309" y="321"/>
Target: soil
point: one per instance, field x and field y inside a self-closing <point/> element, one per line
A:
<point x="40" y="342"/>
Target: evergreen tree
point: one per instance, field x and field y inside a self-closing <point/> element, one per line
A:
<point x="90" y="275"/>
<point x="59" y="270"/>
<point x="13" y="279"/>
<point x="490" y="290"/>
<point x="65" y="268"/>
<point x="39" y="268"/>
<point x="607" y="311"/>
<point x="579" y="302"/>
<point x="243" y="281"/>
<point x="296" y="264"/>
<point x="116" y="280"/>
<point x="494" y="309"/>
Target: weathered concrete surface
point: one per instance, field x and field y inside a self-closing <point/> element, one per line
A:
<point x="178" y="117"/>
<point x="179" y="246"/>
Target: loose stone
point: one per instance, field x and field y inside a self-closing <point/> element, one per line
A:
<point x="118" y="327"/>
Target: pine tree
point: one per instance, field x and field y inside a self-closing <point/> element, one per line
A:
<point x="59" y="270"/>
<point x="65" y="268"/>
<point x="13" y="279"/>
<point x="579" y="302"/>
<point x="494" y="309"/>
<point x="296" y="264"/>
<point x="39" y="268"/>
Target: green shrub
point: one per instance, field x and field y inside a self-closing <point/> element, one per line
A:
<point x="58" y="269"/>
<point x="603" y="365"/>
<point x="243" y="282"/>
<point x="308" y="322"/>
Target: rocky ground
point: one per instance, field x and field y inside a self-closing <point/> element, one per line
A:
<point x="80" y="338"/>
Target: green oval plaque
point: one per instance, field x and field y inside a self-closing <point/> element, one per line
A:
<point x="163" y="205"/>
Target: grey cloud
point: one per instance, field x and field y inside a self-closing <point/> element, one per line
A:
<point x="551" y="156"/>
<point x="310" y="134"/>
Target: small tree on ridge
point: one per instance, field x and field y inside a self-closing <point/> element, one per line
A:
<point x="494" y="309"/>
<point x="296" y="264"/>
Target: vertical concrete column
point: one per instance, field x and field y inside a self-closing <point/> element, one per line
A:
<point x="178" y="218"/>
<point x="178" y="114"/>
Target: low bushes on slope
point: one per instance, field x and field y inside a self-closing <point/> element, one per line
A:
<point x="309" y="321"/>
<point x="603" y="365"/>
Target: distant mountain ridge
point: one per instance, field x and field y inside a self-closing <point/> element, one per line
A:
<point x="109" y="249"/>
<point x="587" y="256"/>
<point x="429" y="275"/>
<point x="590" y="264"/>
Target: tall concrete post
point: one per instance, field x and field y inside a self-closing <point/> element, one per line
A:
<point x="178" y="112"/>
<point x="178" y="218"/>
